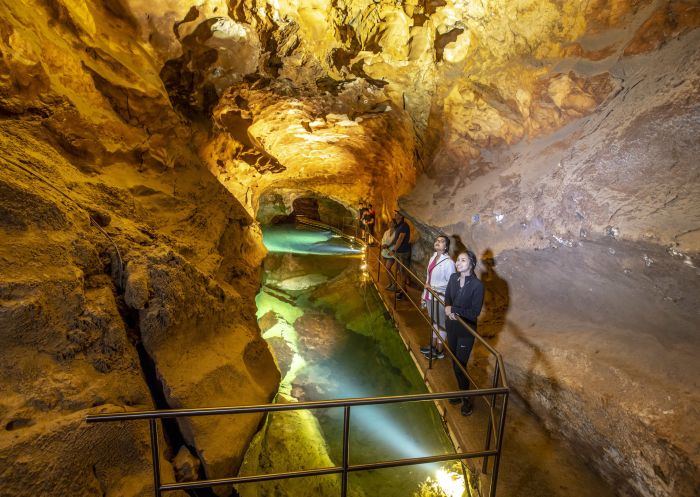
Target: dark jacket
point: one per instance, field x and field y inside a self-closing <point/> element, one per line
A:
<point x="466" y="301"/>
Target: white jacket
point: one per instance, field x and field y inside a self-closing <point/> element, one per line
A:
<point x="441" y="274"/>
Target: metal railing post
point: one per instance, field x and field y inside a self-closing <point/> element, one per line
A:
<point x="487" y="444"/>
<point x="346" y="452"/>
<point x="430" y="335"/>
<point x="499" y="446"/>
<point x="155" y="456"/>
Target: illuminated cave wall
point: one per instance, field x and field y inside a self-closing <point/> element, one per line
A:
<point x="557" y="139"/>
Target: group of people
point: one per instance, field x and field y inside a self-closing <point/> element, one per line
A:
<point x="396" y="246"/>
<point x="463" y="294"/>
<point x="454" y="282"/>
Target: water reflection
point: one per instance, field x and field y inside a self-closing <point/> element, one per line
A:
<point x="332" y="339"/>
<point x="293" y="239"/>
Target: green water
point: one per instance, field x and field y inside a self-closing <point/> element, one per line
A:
<point x="332" y="339"/>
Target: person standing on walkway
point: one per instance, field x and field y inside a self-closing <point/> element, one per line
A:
<point x="464" y="297"/>
<point x="387" y="238"/>
<point x="360" y="218"/>
<point x="368" y="220"/>
<point x="401" y="251"/>
<point x="440" y="268"/>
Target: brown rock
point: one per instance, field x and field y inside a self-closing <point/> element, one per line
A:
<point x="136" y="288"/>
<point x="666" y="23"/>
<point x="186" y="465"/>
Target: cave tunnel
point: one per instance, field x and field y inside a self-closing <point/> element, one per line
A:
<point x="157" y="155"/>
<point x="277" y="206"/>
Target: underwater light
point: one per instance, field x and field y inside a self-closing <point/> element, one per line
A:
<point x="450" y="482"/>
<point x="375" y="420"/>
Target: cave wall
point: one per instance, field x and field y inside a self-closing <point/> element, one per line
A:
<point x="119" y="250"/>
<point x="556" y="139"/>
<point x="588" y="243"/>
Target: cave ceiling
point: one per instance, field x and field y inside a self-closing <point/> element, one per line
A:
<point x="382" y="90"/>
<point x="347" y="99"/>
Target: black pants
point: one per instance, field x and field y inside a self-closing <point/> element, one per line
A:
<point x="460" y="342"/>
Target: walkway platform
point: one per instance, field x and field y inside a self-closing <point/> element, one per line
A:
<point x="533" y="463"/>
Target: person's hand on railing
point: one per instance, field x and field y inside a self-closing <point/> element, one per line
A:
<point x="449" y="313"/>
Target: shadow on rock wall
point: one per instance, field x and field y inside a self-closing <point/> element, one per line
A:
<point x="496" y="298"/>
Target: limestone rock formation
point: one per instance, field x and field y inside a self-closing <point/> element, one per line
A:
<point x="125" y="265"/>
<point x="141" y="140"/>
<point x="346" y="145"/>
<point x="290" y="441"/>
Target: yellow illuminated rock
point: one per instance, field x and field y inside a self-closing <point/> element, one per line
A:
<point x="558" y="139"/>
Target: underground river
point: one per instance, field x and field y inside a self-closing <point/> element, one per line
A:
<point x="331" y="338"/>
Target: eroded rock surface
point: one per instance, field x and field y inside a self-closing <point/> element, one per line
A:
<point x="557" y="139"/>
<point x="119" y="249"/>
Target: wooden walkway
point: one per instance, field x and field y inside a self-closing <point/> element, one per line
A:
<point x="533" y="464"/>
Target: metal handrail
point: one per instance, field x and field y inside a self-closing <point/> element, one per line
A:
<point x="434" y="294"/>
<point x="499" y="369"/>
<point x="466" y="325"/>
<point x="345" y="468"/>
<point x="337" y="230"/>
<point x="154" y="415"/>
<point x="295" y="406"/>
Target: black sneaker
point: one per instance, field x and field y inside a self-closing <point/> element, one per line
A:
<point x="391" y="287"/>
<point x="425" y="350"/>
<point x="467" y="408"/>
<point x="399" y="296"/>
<point x="456" y="400"/>
<point x="436" y="355"/>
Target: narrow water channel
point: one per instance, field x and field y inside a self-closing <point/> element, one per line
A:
<point x="332" y="339"/>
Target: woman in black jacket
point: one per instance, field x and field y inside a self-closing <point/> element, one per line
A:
<point x="464" y="297"/>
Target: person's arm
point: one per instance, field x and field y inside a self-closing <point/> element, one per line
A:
<point x="398" y="242"/>
<point x="386" y="239"/>
<point x="449" y="293"/>
<point x="428" y="277"/>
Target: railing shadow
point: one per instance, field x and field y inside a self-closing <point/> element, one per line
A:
<point x="538" y="360"/>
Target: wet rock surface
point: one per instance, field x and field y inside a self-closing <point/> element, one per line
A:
<point x="557" y="140"/>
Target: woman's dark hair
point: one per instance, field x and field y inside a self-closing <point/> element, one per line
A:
<point x="472" y="260"/>
<point x="447" y="242"/>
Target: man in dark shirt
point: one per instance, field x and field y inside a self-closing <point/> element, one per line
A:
<point x="368" y="220"/>
<point x="401" y="251"/>
<point x="464" y="298"/>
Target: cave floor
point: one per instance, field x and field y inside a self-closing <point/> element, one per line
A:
<point x="533" y="462"/>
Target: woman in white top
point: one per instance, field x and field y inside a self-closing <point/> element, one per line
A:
<point x="440" y="268"/>
<point x="388" y="259"/>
